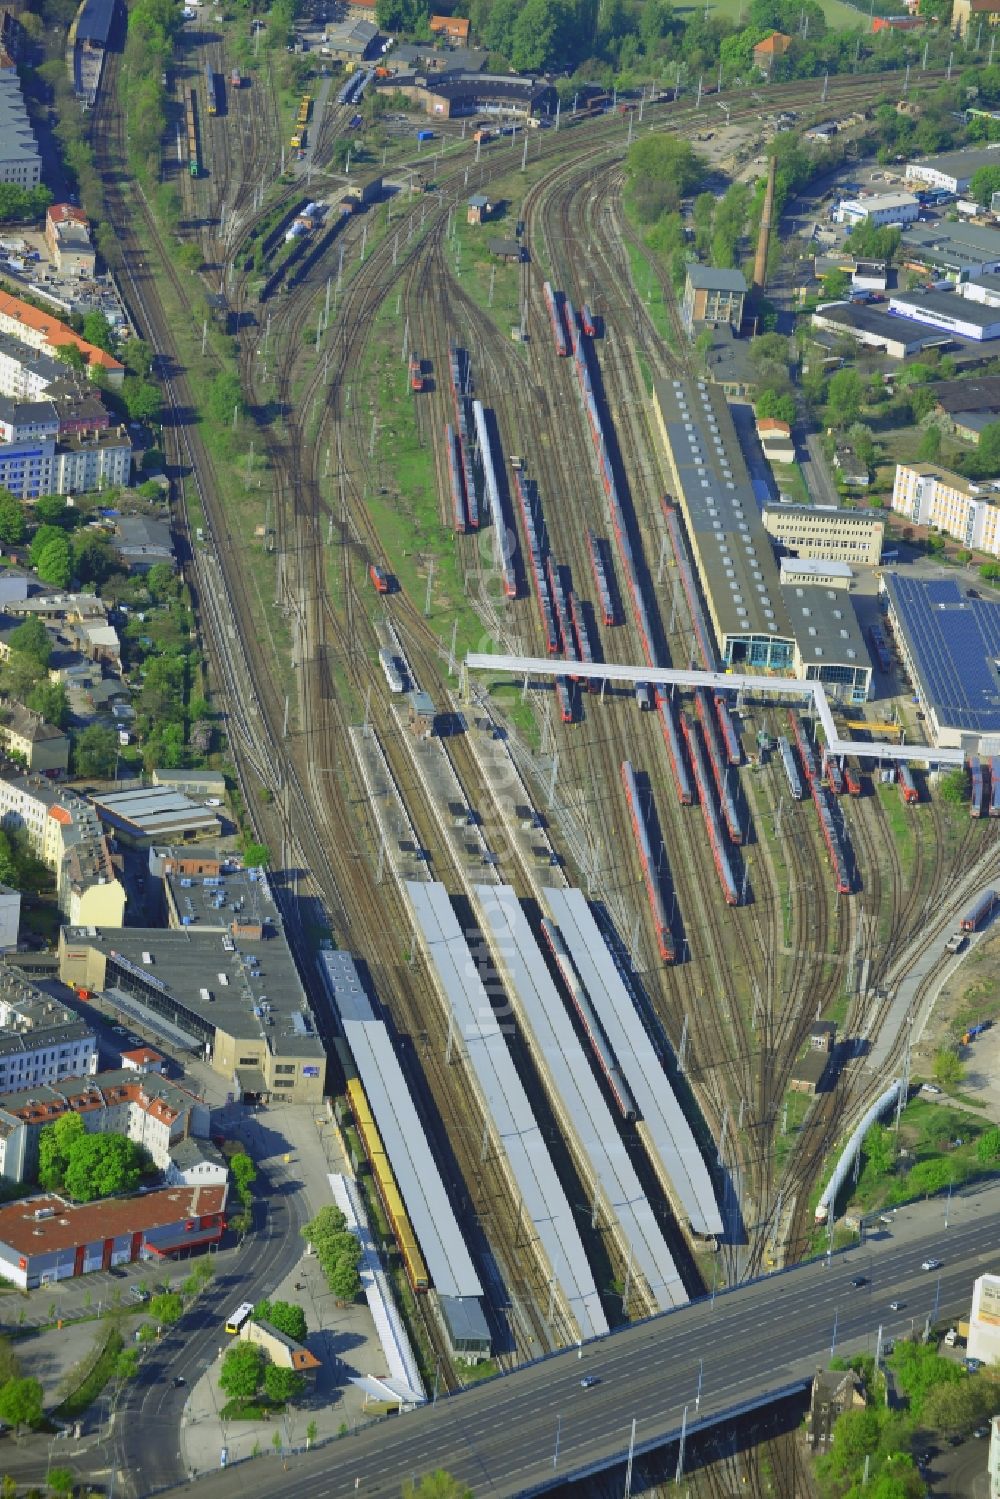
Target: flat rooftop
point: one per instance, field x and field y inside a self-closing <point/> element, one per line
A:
<point x="946" y="243"/>
<point x="878" y="324"/>
<point x="956" y="163"/>
<point x="253" y="993"/>
<point x="212" y="903"/>
<point x="156" y="812"/>
<point x="977" y="394"/>
<point x="954" y="642"/>
<point x="720" y="510"/>
<point x="921" y="304"/>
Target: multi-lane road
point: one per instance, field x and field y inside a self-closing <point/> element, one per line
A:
<point x="539" y="1427"/>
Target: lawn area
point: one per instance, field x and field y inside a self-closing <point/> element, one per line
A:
<point x="838" y="15"/>
<point x="791" y="481"/>
<point x="492" y="285"/>
<point x="648" y="287"/>
<point x="900" y="819"/>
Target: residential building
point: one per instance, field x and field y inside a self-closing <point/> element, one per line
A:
<point x="713" y="295"/>
<point x="945" y="310"/>
<point x="932" y="496"/>
<point x="350" y="41"/>
<point x="21" y="421"/>
<point x="951" y="170"/>
<point x="154" y="1113"/>
<point x="63" y="831"/>
<point x="984" y="1321"/>
<point x="40" y="1040"/>
<point x="879" y="209"/>
<point x="45" y="1239"/>
<point x="41" y="746"/>
<point x="759" y="625"/>
<point x="455" y="28"/>
<point x="951" y="251"/>
<point x="196" y="1163"/>
<point x="949" y="642"/>
<point x="282" y="1350"/>
<point x="817" y="533"/>
<point x="25" y="373"/>
<point x="141" y="542"/>
<point x="834" y="1391"/>
<point x="67" y="234"/>
<point x="42" y="331"/>
<point x="143" y="1059"/>
<point x="850" y="467"/>
<point x="965" y="13"/>
<point x="78" y="464"/>
<point x="20" y="158"/>
<point x="224" y="982"/>
<point x="766" y="52"/>
<point x="10" y="918"/>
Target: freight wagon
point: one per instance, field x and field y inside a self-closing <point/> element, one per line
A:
<point x="388" y="1191"/>
<point x="640" y="829"/>
<point x="190" y="108"/>
<point x="592" y="1026"/>
<point x="211" y="99"/>
<point x="980" y="912"/>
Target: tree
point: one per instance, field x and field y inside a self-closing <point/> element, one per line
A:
<point x="919" y="1369"/>
<point x="436" y="1485"/>
<point x="10" y="1364"/>
<point x="100" y="1165"/>
<point x="97" y="330"/>
<point x="954" y="786"/>
<point x="61" y="1480"/>
<point x="343" y="1277"/>
<point x="32" y="640"/>
<point x="928" y="1177"/>
<point x="167" y="1308"/>
<point x="285" y="1316"/>
<point x="12" y="524"/>
<point x="224" y="397"/>
<point x="52" y="510"/>
<point x="283" y="1385"/>
<point x="948" y="1069"/>
<point x="189" y="257"/>
<point x="843" y="397"/>
<point x="957" y="1407"/>
<point x="73" y="356"/>
<point x="988" y="1146"/>
<point x="55" y="1142"/>
<point x="95" y="752"/>
<point x="127" y="1364"/>
<point x="93" y="558"/>
<point x="50" y="700"/>
<point x="141" y="398"/>
<point x="930" y="445"/>
<point x="770" y="404"/>
<point x="21" y="1402"/>
<point x="984" y="183"/>
<point x="256" y="855"/>
<point x="53" y="564"/>
<point x="244" y="1173"/>
<point x="880" y="1149"/>
<point x="242" y="1371"/>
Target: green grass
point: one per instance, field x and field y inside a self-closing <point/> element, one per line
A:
<point x="797" y="1106"/>
<point x="790" y="478"/>
<point x="94" y="1380"/>
<point x="900" y="820"/>
<point x="477" y="270"/>
<point x="648" y="287"/>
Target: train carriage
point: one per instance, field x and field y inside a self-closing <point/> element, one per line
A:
<point x="995" y="786"/>
<point x="790" y="768"/>
<point x="980" y="911"/>
<point x="458" y="511"/>
<point x="907" y="785"/>
<point x="211" y="97"/>
<point x="592" y="1026"/>
<point x="599" y="568"/>
<point x="976" y="797"/>
<point x="640" y="830"/>
<point x="678" y="765"/>
<point x="552" y="305"/>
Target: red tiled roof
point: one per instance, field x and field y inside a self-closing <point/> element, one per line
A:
<point x="66" y="213"/>
<point x="110" y="1219"/>
<point x="141" y="1055"/>
<point x="56" y="334"/>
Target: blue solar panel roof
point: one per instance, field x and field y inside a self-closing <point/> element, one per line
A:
<point x="954" y="641"/>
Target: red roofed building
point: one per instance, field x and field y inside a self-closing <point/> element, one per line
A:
<point x="67" y="234"/>
<point x="42" y="331"/>
<point x="144" y="1059"/>
<point x="43" y="1239"/>
<point x="455" y="28"/>
<point x="772" y="47"/>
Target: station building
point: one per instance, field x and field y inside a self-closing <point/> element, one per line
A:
<point x="826" y="534"/>
<point x="220" y="981"/>
<point x="950" y="645"/>
<point x="760" y="625"/>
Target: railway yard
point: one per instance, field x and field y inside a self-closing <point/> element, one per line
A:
<point x="593" y="921"/>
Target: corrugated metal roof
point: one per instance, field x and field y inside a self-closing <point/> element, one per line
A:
<point x="515" y="1127"/>
<point x="666" y="1129"/>
<point x="417" y="1174"/>
<point x="715" y="278"/>
<point x="543" y="1015"/>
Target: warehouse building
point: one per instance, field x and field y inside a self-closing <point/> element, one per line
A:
<point x="956" y="251"/>
<point x="759" y="625"/>
<point x="447" y="94"/>
<point x="45" y="1239"/>
<point x="223" y="983"/>
<point x="156" y="814"/>
<point x="826" y="534"/>
<point x="350" y="41"/>
<point x="879" y="209"/>
<point x="713" y="295"/>
<point x="897" y="337"/>
<point x="966" y="407"/>
<point x="951" y="170"/>
<point x="959" y="316"/>
<point x="932" y="496"/>
<point x="950" y="645"/>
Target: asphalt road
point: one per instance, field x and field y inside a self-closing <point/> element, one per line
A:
<point x="537" y="1428"/>
<point x="147" y="1423"/>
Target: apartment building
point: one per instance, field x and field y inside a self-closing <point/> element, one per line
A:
<point x="20" y="158"/>
<point x="41" y="746"/>
<point x="41" y="1042"/>
<point x="827" y="535"/>
<point x="42" y="331"/>
<point x="931" y="496"/>
<point x="64" y="831"/>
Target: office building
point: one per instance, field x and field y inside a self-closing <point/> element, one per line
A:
<point x="814" y="531"/>
<point x="984" y="1321"/>
<point x="879" y="209"/>
<point x="946" y="310"/>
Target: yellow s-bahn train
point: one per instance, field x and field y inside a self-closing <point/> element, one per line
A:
<point x="388" y="1191"/>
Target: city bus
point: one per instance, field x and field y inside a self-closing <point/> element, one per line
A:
<point x="236" y="1319"/>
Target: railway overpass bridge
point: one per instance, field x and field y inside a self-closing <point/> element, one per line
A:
<point x="812" y="696"/>
<point x="526" y="1432"/>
